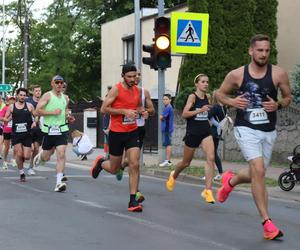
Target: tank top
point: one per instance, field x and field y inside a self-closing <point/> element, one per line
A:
<point x="32" y="101"/>
<point x="198" y="124"/>
<point x="126" y="99"/>
<point x="7" y="128"/>
<point x="55" y="124"/>
<point x="256" y="91"/>
<point x="141" y="120"/>
<point x="21" y="120"/>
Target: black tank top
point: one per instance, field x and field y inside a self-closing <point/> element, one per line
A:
<point x="198" y="124"/>
<point x="22" y="120"/>
<point x="256" y="91"/>
<point x="31" y="101"/>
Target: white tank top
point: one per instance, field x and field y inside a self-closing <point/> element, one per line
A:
<point x="141" y="121"/>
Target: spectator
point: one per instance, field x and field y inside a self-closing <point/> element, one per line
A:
<point x="82" y="145"/>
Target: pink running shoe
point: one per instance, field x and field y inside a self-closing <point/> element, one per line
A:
<point x="271" y="232"/>
<point x="225" y="189"/>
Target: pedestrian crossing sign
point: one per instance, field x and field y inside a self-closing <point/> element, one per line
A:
<point x="189" y="32"/>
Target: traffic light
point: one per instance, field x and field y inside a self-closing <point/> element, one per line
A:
<point x="150" y="60"/>
<point x="162" y="49"/>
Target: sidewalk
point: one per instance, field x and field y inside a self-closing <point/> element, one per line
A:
<point x="151" y="162"/>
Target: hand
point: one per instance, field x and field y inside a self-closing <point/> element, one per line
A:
<point x="33" y="125"/>
<point x="270" y="105"/>
<point x="57" y="112"/>
<point x="204" y="108"/>
<point x="131" y="114"/>
<point x="71" y="119"/>
<point x="106" y="131"/>
<point x="240" y="102"/>
<point x="145" y="114"/>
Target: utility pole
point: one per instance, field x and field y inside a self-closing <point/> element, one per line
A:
<point x="161" y="91"/>
<point x="25" y="46"/>
<point x="3" y="44"/>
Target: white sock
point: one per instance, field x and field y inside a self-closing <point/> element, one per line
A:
<point x="21" y="171"/>
<point x="58" y="178"/>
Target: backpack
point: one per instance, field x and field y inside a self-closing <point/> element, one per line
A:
<point x="226" y="125"/>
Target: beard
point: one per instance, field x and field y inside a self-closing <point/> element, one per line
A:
<point x="259" y="63"/>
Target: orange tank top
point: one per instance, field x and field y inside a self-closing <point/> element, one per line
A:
<point x="126" y="99"/>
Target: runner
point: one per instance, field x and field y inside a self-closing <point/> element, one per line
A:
<point x="197" y="133"/>
<point x="122" y="103"/>
<point x="53" y="107"/>
<point x="2" y="105"/>
<point x="21" y="115"/>
<point x="7" y="129"/>
<point x="36" y="132"/>
<point x="254" y="130"/>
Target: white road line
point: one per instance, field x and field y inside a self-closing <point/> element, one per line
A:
<point x="27" y="177"/>
<point x="169" y="230"/>
<point x="91" y="204"/>
<point x="24" y="186"/>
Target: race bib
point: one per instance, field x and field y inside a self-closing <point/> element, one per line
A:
<point x="257" y="116"/>
<point x="203" y="116"/>
<point x="127" y="121"/>
<point x="54" y="130"/>
<point x="21" y="127"/>
<point x="9" y="124"/>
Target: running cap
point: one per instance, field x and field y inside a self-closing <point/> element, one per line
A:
<point x="57" y="78"/>
<point x="10" y="97"/>
<point x="128" y="67"/>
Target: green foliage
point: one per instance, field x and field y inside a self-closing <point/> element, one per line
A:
<point x="295" y="82"/>
<point x="182" y="97"/>
<point x="231" y="25"/>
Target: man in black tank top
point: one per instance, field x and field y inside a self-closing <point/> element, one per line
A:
<point x="21" y="115"/>
<point x="256" y="104"/>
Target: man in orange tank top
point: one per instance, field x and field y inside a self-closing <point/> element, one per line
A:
<point x="123" y="104"/>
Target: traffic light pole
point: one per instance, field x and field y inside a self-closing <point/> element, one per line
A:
<point x="161" y="91"/>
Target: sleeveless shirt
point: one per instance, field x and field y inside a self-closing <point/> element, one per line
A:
<point x="126" y="99"/>
<point x="21" y="119"/>
<point x="141" y="120"/>
<point x="256" y="91"/>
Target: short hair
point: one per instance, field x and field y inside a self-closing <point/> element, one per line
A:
<point x="168" y="95"/>
<point x="197" y="77"/>
<point x="258" y="38"/>
<point x="128" y="67"/>
<point x="35" y="86"/>
<point x="23" y="90"/>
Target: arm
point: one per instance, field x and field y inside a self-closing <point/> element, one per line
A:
<point x="7" y="116"/>
<point x="149" y="103"/>
<point x="109" y="99"/>
<point x="231" y="82"/>
<point x="41" y="104"/>
<point x="186" y="113"/>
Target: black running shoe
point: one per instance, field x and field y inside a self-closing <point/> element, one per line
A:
<point x="64" y="178"/>
<point x="96" y="168"/>
<point x="22" y="177"/>
<point x="139" y="197"/>
<point x="134" y="206"/>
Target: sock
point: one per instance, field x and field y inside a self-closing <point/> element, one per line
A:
<point x="58" y="178"/>
<point x="264" y="222"/>
<point x="21" y="171"/>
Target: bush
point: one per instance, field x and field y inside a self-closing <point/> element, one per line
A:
<point x="295" y="83"/>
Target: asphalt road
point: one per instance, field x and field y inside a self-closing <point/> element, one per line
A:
<point x="92" y="214"/>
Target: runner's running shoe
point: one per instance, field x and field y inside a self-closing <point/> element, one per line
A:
<point x="170" y="184"/>
<point x="119" y="174"/>
<point x="14" y="163"/>
<point x="225" y="189"/>
<point x="5" y="165"/>
<point x="96" y="168"/>
<point x="37" y="160"/>
<point x="271" y="232"/>
<point x="22" y="177"/>
<point x="64" y="178"/>
<point x="139" y="197"/>
<point x="134" y="206"/>
<point x="30" y="171"/>
<point x="61" y="187"/>
<point x="207" y="195"/>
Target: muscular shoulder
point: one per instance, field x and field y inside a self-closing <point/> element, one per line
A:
<point x="236" y="75"/>
<point x="278" y="74"/>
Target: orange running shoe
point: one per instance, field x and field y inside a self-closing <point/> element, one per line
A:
<point x="271" y="232"/>
<point x="134" y="206"/>
<point x="96" y="168"/>
<point x="225" y="189"/>
<point x="170" y="184"/>
<point x="207" y="195"/>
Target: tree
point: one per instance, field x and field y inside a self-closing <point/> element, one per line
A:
<point x="295" y="84"/>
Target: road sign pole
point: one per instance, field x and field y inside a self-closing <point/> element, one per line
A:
<point x="161" y="91"/>
<point x="3" y="46"/>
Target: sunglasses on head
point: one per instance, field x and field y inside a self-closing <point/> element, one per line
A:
<point x="59" y="82"/>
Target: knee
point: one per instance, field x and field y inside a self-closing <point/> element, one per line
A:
<point x="210" y="158"/>
<point x="258" y="172"/>
<point x="134" y="166"/>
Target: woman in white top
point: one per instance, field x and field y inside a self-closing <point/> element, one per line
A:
<point x="82" y="145"/>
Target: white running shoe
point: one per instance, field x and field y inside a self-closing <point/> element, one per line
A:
<point x="61" y="187"/>
<point x="14" y="163"/>
<point x="30" y="171"/>
<point x="217" y="177"/>
<point x="37" y="161"/>
<point x="5" y="165"/>
<point x="166" y="163"/>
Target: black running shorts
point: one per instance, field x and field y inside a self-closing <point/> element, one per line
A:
<point x="118" y="141"/>
<point x="142" y="133"/>
<point x="37" y="135"/>
<point x="21" y="138"/>
<point x="7" y="136"/>
<point x="53" y="141"/>
<point x="194" y="141"/>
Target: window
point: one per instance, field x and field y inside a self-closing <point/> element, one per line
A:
<point x="128" y="49"/>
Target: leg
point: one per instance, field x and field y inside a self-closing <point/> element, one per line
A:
<point x="61" y="158"/>
<point x="217" y="158"/>
<point x="18" y="149"/>
<point x="208" y="148"/>
<point x="35" y="151"/>
<point x="188" y="154"/>
<point x="113" y="164"/>
<point x="134" y="173"/>
<point x="168" y="152"/>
